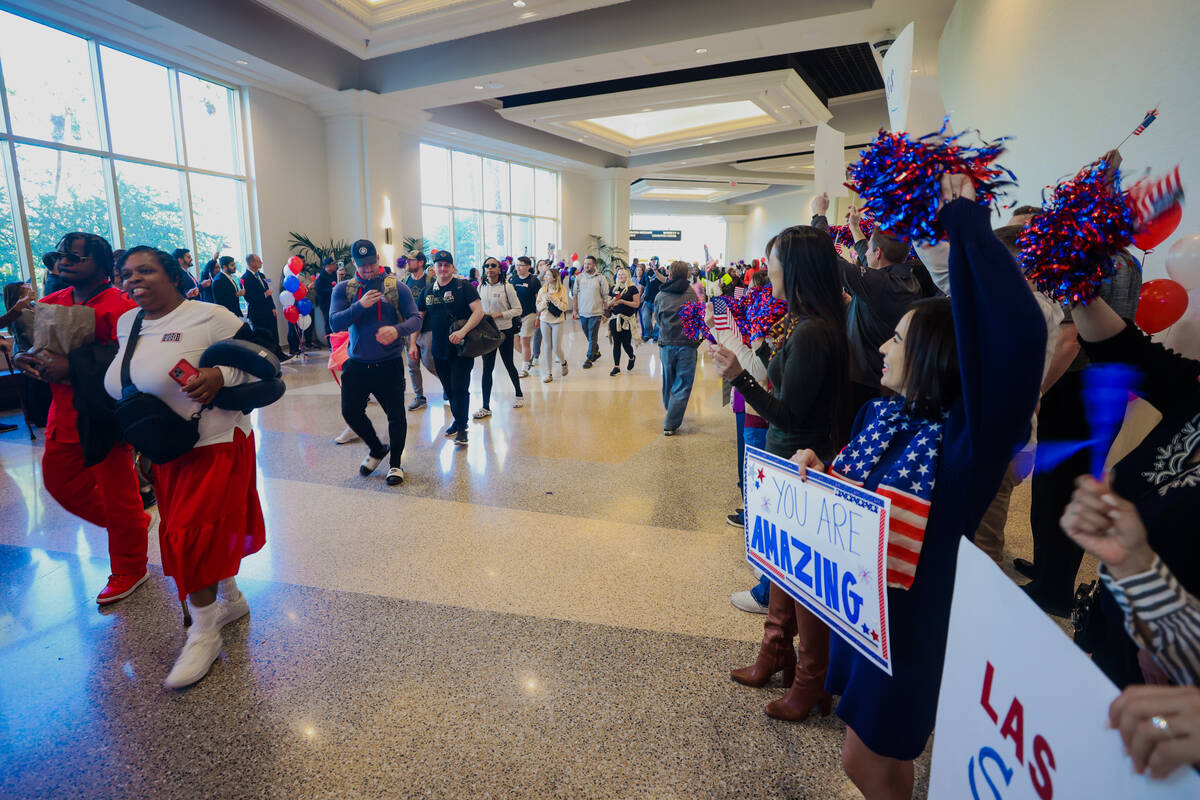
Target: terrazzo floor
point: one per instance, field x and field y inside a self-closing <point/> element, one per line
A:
<point x="543" y="615"/>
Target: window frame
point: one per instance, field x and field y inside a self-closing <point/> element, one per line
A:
<point x="507" y="211"/>
<point x="29" y="262"/>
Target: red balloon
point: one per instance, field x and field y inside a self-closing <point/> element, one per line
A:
<point x="1161" y="304"/>
<point x="1156" y="231"/>
<point x="291" y="313"/>
<point x="300" y="292"/>
<point x="295" y="264"/>
<point x="574" y="256"/>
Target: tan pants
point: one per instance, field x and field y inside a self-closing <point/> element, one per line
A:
<point x="990" y="536"/>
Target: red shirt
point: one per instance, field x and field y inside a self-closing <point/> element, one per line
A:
<point x="109" y="304"/>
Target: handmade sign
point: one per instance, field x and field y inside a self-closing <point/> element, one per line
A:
<point x="824" y="542"/>
<point x="829" y="161"/>
<point x="897" y="78"/>
<point x="1023" y="712"/>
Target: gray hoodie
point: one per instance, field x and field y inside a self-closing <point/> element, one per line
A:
<point x="666" y="312"/>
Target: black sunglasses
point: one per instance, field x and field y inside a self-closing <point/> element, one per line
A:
<point x="68" y="257"/>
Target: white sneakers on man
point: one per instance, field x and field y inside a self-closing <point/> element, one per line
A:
<point x="346" y="437"/>
<point x="745" y="601"/>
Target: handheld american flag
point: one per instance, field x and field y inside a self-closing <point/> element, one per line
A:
<point x="722" y="319"/>
<point x="739" y="292"/>
<point x="1151" y="115"/>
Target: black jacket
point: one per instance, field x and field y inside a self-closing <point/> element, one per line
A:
<point x="94" y="409"/>
<point x="224" y="290"/>
<point x="259" y="308"/>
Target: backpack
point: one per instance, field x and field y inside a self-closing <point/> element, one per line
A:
<point x="390" y="292"/>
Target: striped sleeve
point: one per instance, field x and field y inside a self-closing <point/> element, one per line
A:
<point x="1162" y="617"/>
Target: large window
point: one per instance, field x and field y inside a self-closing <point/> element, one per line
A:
<point x="476" y="207"/>
<point x="95" y="139"/>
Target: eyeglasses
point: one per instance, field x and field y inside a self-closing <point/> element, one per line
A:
<point x="68" y="257"/>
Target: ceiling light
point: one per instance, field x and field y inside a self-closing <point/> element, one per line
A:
<point x="519" y="3"/>
<point x="647" y="109"/>
<point x="785" y="106"/>
<point x="477" y="86"/>
<point x="529" y="15"/>
<point x="701" y="51"/>
<point x="242" y="61"/>
<point x="454" y="133"/>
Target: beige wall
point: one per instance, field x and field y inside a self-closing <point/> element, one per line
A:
<point x="1069" y="79"/>
<point x="765" y="219"/>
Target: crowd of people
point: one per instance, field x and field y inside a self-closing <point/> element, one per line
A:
<point x="944" y="356"/>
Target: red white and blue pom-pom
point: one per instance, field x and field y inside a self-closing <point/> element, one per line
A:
<point x="1067" y="249"/>
<point x="763" y="311"/>
<point x="898" y="179"/>
<point x="691" y="319"/>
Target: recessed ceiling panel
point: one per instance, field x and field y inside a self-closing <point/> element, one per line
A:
<point x="693" y="191"/>
<point x="675" y="122"/>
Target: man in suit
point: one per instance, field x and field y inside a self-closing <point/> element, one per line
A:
<point x="260" y="308"/>
<point x="225" y="287"/>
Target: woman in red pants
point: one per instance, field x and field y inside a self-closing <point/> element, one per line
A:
<point x="207" y="498"/>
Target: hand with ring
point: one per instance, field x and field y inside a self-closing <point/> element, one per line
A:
<point x="1160" y="726"/>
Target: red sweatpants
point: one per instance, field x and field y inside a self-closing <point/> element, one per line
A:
<point x="105" y="495"/>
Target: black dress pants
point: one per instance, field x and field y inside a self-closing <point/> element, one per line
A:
<point x="455" y="374"/>
<point x="385" y="380"/>
<point x="621" y="340"/>
<point x="1056" y="558"/>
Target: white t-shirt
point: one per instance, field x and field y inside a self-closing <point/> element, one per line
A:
<point x="184" y="333"/>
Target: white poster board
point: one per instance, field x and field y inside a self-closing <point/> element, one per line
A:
<point x="1023" y="712"/>
<point x="824" y="542"/>
<point x="829" y="162"/>
<point x="897" y="78"/>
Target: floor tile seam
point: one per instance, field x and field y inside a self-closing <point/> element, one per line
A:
<point x="156" y="570"/>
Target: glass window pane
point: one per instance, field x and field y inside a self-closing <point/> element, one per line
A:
<point x="435" y="169"/>
<point x="218" y="215"/>
<point x="151" y="206"/>
<point x="10" y="261"/>
<point x="138" y="93"/>
<point x="522" y="238"/>
<point x="468" y="240"/>
<point x="467" y="193"/>
<point x="435" y="229"/>
<point x="496" y="236"/>
<point x="495" y="185"/>
<point x="547" y="193"/>
<point x="63" y="192"/>
<point x="48" y="77"/>
<point x="546" y="236"/>
<point x="208" y="124"/>
<point x="522" y="189"/>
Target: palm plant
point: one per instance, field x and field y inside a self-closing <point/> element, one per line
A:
<point x="314" y="253"/>
<point x="413" y="244"/>
<point x="609" y="258"/>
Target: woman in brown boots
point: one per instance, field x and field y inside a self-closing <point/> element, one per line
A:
<point x="807" y="406"/>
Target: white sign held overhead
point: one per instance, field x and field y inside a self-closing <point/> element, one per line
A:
<point x="829" y="161"/>
<point x="897" y="78"/>
<point x="1023" y="712"/>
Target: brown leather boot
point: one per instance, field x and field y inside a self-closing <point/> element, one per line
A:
<point x="776" y="653"/>
<point x="808" y="688"/>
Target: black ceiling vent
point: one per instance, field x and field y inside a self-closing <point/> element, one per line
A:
<point x="829" y="72"/>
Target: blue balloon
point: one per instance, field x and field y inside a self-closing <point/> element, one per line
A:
<point x="291" y="283"/>
<point x="304" y="306"/>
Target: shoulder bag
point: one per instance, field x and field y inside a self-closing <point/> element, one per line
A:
<point x="480" y="340"/>
<point x="148" y="423"/>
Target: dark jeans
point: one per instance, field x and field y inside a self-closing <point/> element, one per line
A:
<point x="489" y="365"/>
<point x="591" y="328"/>
<point x="385" y="380"/>
<point x="455" y="374"/>
<point x="294" y="338"/>
<point x="621" y="340"/>
<point x="1056" y="558"/>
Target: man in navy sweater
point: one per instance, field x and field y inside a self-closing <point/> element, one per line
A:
<point x="380" y="314"/>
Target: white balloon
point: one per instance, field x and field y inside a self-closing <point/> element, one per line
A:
<point x="1183" y="262"/>
<point x="287" y="299"/>
<point x="305" y="322"/>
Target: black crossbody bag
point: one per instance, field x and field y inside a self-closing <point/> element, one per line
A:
<point x="148" y="423"/>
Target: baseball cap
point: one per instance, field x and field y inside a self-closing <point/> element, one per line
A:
<point x="327" y="260"/>
<point x="363" y="252"/>
<point x="443" y="255"/>
<point x="416" y="255"/>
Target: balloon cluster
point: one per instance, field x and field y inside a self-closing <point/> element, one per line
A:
<point x="898" y="179"/>
<point x="297" y="308"/>
<point x="1067" y="249"/>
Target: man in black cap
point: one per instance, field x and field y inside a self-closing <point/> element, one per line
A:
<point x="380" y="314"/>
<point x="326" y="279"/>
<point x="418" y="280"/>
<point x="448" y="300"/>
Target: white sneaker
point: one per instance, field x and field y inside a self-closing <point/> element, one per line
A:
<point x="370" y="463"/>
<point x="395" y="476"/>
<point x="199" y="652"/>
<point x="745" y="602"/>
<point x="518" y="402"/>
<point x="231" y="610"/>
<point x="524" y="372"/>
<point x="346" y="437"/>
<point x="482" y="413"/>
<point x="548" y="378"/>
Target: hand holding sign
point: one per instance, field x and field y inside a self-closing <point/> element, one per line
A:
<point x="1160" y="726"/>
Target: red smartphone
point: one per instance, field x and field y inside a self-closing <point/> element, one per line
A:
<point x="183" y="372"/>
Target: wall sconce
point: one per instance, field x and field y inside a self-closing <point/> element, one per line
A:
<point x="389" y="250"/>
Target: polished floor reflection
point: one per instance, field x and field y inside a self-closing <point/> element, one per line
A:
<point x="543" y="615"/>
